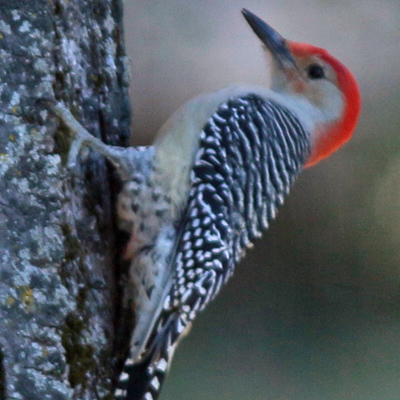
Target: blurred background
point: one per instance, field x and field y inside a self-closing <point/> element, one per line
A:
<point x="313" y="311"/>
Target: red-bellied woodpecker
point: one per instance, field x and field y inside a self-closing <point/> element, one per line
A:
<point x="211" y="183"/>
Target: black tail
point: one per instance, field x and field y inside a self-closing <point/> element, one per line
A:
<point x="143" y="381"/>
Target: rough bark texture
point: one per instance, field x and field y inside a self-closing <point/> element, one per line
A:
<point x="57" y="245"/>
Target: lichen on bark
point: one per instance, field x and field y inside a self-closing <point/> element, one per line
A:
<point x="57" y="243"/>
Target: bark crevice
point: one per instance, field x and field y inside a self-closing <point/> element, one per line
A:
<point x="2" y="377"/>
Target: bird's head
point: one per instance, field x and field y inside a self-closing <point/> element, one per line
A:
<point x="303" y="70"/>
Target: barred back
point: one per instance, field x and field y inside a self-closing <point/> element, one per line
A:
<point x="250" y="152"/>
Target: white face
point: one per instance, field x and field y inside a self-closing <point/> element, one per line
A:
<point x="314" y="80"/>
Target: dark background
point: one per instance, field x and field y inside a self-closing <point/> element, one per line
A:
<point x="312" y="313"/>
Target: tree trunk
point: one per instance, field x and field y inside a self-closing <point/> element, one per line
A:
<point x="57" y="246"/>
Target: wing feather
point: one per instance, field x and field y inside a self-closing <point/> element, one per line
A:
<point x="249" y="154"/>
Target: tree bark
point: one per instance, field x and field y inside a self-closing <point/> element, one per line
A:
<point x="58" y="250"/>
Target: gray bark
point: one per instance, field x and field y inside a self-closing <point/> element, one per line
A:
<point x="57" y="245"/>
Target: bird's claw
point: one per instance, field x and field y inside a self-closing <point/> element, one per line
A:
<point x="79" y="133"/>
<point x="73" y="154"/>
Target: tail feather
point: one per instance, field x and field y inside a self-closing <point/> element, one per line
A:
<point x="143" y="381"/>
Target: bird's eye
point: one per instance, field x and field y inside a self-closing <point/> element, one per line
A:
<point x="315" y="71"/>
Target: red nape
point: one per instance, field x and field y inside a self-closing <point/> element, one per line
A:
<point x="341" y="131"/>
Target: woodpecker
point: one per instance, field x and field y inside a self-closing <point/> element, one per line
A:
<point x="213" y="180"/>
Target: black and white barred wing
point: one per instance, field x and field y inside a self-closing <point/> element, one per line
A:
<point x="250" y="152"/>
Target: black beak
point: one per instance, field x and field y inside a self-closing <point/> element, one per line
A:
<point x="274" y="42"/>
